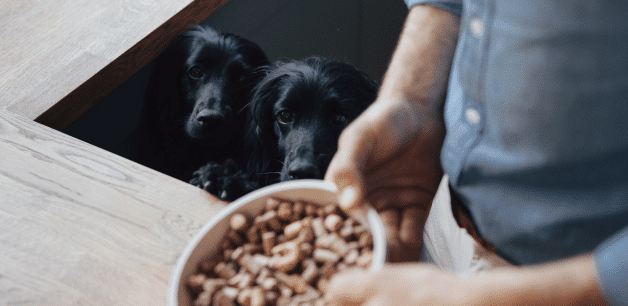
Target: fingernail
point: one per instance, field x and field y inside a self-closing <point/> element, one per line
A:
<point x="348" y="197"/>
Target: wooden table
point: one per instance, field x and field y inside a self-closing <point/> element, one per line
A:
<point x="82" y="226"/>
<point x="59" y="58"/>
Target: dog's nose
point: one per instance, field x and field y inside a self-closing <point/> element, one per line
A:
<point x="207" y="116"/>
<point x="302" y="170"/>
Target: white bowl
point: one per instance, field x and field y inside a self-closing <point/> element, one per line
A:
<point x="205" y="242"/>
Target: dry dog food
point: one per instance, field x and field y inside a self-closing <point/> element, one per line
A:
<point x="284" y="256"/>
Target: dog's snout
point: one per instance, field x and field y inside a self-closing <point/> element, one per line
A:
<point x="302" y="170"/>
<point x="207" y="116"/>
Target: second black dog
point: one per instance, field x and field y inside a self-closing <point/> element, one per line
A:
<point x="296" y="115"/>
<point x="198" y="88"/>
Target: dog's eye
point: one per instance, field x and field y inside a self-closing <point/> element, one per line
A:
<point x="195" y="72"/>
<point x="340" y="119"/>
<point x="284" y="117"/>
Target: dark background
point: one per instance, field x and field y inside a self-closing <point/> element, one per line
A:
<point x="359" y="32"/>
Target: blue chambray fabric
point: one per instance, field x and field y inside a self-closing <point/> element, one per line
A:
<point x="537" y="130"/>
<point x="454" y="7"/>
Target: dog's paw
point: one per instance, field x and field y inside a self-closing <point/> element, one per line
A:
<point x="208" y="177"/>
<point x="223" y="180"/>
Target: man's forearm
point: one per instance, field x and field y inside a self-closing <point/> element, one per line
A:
<point x="413" y="89"/>
<point x="569" y="282"/>
<point x="419" y="69"/>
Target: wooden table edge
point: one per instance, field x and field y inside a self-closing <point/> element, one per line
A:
<point x="74" y="105"/>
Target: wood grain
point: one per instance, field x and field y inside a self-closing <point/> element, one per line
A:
<point x="59" y="58"/>
<point x="82" y="226"/>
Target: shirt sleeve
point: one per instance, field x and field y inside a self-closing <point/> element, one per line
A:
<point x="612" y="264"/>
<point x="452" y="6"/>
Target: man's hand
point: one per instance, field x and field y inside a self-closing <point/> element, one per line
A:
<point x="398" y="285"/>
<point x="570" y="282"/>
<point x="389" y="156"/>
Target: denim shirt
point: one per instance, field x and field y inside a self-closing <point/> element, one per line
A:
<point x="537" y="130"/>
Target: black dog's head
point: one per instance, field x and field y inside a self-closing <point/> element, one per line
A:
<point x="205" y="79"/>
<point x="297" y="113"/>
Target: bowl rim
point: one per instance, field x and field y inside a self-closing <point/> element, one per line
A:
<point x="177" y="270"/>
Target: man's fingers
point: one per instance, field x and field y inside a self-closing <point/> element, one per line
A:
<point x="399" y="197"/>
<point x="346" y="169"/>
<point x="380" y="300"/>
<point x="348" y="289"/>
<point x="350" y="187"/>
<point x="404" y="233"/>
<point x="411" y="230"/>
<point x="391" y="219"/>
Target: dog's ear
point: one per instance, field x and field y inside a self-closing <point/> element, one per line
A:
<point x="252" y="51"/>
<point x="346" y="78"/>
<point x="354" y="81"/>
<point x="260" y="139"/>
<point x="370" y="88"/>
<point x="255" y="59"/>
<point x="161" y="97"/>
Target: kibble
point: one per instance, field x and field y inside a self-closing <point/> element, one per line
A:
<point x="284" y="256"/>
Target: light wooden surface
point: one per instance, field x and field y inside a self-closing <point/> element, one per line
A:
<point x="59" y="58"/>
<point x="82" y="226"/>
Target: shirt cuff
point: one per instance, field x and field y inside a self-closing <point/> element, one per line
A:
<point x="612" y="264"/>
<point x="452" y="6"/>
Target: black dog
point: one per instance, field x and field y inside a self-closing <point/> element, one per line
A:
<point x="296" y="115"/>
<point x="199" y="86"/>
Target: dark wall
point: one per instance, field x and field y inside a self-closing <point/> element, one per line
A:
<point x="360" y="32"/>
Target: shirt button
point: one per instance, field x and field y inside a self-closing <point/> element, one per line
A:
<point x="477" y="27"/>
<point x="473" y="116"/>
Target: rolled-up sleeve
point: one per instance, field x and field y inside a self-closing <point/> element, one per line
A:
<point x="452" y="6"/>
<point x="612" y="265"/>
